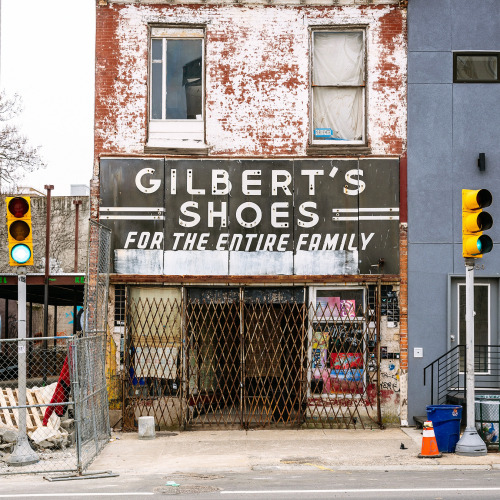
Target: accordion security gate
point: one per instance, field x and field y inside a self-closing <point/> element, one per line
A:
<point x="245" y="363"/>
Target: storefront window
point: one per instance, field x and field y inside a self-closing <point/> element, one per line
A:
<point x="337" y="341"/>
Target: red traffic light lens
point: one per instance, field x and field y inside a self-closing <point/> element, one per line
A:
<point x="18" y="207"/>
<point x="19" y="230"/>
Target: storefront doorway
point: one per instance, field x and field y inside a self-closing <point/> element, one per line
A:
<point x="251" y="357"/>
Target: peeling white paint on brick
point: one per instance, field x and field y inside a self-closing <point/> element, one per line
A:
<point x="257" y="77"/>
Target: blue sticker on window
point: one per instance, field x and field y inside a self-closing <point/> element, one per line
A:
<point x="325" y="133"/>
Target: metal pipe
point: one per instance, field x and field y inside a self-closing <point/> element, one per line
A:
<point x="6" y="325"/>
<point x="37" y="339"/>
<point x="184" y="380"/>
<point x="77" y="204"/>
<point x="73" y="349"/>
<point x="432" y="384"/>
<point x="302" y="378"/>
<point x="49" y="188"/>
<point x="242" y="358"/>
<point x="378" y="311"/>
<point x="30" y="331"/>
<point x="55" y="325"/>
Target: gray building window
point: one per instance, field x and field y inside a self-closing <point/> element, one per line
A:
<point x="475" y="67"/>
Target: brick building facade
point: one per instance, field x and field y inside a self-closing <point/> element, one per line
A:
<point x="253" y="153"/>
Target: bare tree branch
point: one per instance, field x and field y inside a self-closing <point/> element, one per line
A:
<point x="17" y="157"/>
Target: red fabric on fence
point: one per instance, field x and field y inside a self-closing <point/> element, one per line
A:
<point x="61" y="394"/>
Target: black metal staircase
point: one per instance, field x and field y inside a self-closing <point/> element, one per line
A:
<point x="446" y="380"/>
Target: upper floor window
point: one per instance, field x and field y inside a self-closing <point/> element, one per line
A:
<point x="176" y="87"/>
<point x="475" y="67"/>
<point x="338" y="87"/>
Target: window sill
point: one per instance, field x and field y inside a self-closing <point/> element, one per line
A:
<point x="177" y="150"/>
<point x="347" y="150"/>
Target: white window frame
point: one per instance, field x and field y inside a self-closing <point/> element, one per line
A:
<point x="319" y="142"/>
<point x="312" y="317"/>
<point x="489" y="323"/>
<point x="185" y="133"/>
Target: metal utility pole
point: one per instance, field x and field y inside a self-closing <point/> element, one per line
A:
<point x="23" y="454"/>
<point x="49" y="188"/>
<point x="470" y="444"/>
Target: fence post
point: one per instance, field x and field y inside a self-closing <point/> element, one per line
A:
<point x="73" y="351"/>
<point x="23" y="454"/>
<point x="184" y="385"/>
<point x="242" y="357"/>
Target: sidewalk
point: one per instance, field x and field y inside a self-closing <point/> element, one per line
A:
<point x="236" y="450"/>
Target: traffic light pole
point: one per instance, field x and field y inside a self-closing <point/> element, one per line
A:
<point x="470" y="444"/>
<point x="23" y="454"/>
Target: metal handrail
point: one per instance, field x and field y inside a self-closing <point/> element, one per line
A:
<point x="448" y="370"/>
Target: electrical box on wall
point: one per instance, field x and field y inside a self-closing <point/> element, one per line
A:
<point x="388" y="355"/>
<point x="418" y="352"/>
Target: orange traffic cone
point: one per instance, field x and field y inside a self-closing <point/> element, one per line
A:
<point x="429" y="444"/>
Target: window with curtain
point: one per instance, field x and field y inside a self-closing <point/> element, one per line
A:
<point x="338" y="87"/>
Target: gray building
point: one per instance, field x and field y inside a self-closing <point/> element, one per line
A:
<point x="453" y="102"/>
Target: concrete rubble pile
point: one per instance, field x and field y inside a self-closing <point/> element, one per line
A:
<point x="59" y="433"/>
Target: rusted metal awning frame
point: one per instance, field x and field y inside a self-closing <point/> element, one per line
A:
<point x="276" y="280"/>
<point x="65" y="289"/>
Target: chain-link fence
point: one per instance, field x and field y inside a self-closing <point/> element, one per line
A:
<point x="59" y="422"/>
<point x="97" y="279"/>
<point x="65" y="394"/>
<point x="90" y="397"/>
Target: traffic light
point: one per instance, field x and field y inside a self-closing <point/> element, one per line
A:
<point x="474" y="221"/>
<point x="19" y="230"/>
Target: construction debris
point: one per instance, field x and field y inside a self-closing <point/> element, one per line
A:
<point x="52" y="436"/>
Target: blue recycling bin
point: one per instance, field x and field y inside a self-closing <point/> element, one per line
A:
<point x="446" y="422"/>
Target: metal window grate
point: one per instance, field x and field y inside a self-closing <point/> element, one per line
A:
<point x="120" y="293"/>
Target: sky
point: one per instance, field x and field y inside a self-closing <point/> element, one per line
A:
<point x="47" y="57"/>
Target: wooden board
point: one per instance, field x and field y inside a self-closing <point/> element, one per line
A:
<point x="10" y="417"/>
<point x="5" y="415"/>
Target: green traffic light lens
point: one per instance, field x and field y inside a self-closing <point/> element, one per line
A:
<point x="484" y="244"/>
<point x="20" y="253"/>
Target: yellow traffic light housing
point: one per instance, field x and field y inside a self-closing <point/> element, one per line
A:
<point x="19" y="230"/>
<point x="475" y="221"/>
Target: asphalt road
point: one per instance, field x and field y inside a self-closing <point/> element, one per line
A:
<point x="271" y="484"/>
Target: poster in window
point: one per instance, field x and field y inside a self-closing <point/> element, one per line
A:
<point x="346" y="361"/>
<point x="320" y="353"/>
<point x="347" y="308"/>
<point x="346" y="372"/>
<point x="328" y="306"/>
<point x="156" y="362"/>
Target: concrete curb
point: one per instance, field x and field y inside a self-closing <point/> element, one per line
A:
<point x="334" y="468"/>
